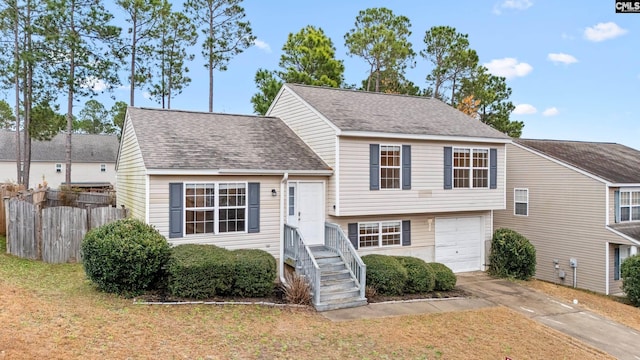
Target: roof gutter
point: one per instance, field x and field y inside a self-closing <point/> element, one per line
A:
<point x="386" y="135"/>
<point x="237" y="172"/>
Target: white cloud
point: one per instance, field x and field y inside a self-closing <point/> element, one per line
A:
<point x="124" y="87"/>
<point x="146" y="95"/>
<point x="524" y="109"/>
<point x="552" y="111"/>
<point x="603" y="31"/>
<point x="262" y="45"/>
<point x="512" y="4"/>
<point x="94" y="84"/>
<point x="508" y="67"/>
<point x="566" y="36"/>
<point x="562" y="58"/>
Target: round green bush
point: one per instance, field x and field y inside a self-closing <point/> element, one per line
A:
<point x="385" y="274"/>
<point x="255" y="273"/>
<point x="125" y="257"/>
<point x="445" y="278"/>
<point x="200" y="271"/>
<point x="420" y="277"/>
<point x="512" y="255"/>
<point x="630" y="270"/>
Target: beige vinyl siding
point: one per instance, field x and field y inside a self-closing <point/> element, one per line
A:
<point x="80" y="172"/>
<point x="131" y="178"/>
<point x="267" y="239"/>
<point x="567" y="212"/>
<point x="422" y="232"/>
<point x="427" y="193"/>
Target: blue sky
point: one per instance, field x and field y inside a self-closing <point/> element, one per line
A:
<point x="573" y="66"/>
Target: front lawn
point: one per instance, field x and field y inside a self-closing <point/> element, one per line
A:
<point x="52" y="311"/>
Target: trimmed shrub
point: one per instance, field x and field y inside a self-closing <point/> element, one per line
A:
<point x="386" y="274"/>
<point x="420" y="277"/>
<point x="445" y="278"/>
<point x="512" y="255"/>
<point x="255" y="273"/>
<point x="125" y="257"/>
<point x="630" y="271"/>
<point x="200" y="271"/>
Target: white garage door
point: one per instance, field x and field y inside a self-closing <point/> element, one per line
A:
<point x="459" y="243"/>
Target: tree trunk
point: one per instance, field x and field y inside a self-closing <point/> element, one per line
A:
<point x="70" y="88"/>
<point x="377" y="75"/>
<point x="134" y="27"/>
<point x="16" y="59"/>
<point x="369" y="78"/>
<point x="211" y="61"/>
<point x="28" y="99"/>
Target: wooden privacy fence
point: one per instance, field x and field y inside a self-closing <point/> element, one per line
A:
<point x="52" y="234"/>
<point x="6" y="190"/>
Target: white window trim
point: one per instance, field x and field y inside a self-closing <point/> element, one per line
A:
<point x="379" y="223"/>
<point x="471" y="167"/>
<point x="216" y="207"/>
<point x="399" y="167"/>
<point x="631" y="206"/>
<point x="103" y="167"/>
<point x="515" y="190"/>
<point x="58" y="168"/>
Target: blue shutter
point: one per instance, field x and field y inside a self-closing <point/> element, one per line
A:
<point x="175" y="210"/>
<point x="616" y="263"/>
<point x="254" y="207"/>
<point x="374" y="167"/>
<point x="616" y="204"/>
<point x="406" y="233"/>
<point x="448" y="167"/>
<point x="493" y="168"/>
<point x="353" y="234"/>
<point x="406" y="167"/>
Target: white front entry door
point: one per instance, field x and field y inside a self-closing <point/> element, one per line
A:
<point x="459" y="243"/>
<point x="306" y="210"/>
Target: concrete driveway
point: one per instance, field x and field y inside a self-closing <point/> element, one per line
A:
<point x="604" y="334"/>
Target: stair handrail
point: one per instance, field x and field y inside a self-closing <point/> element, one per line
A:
<point x="305" y="261"/>
<point x="337" y="240"/>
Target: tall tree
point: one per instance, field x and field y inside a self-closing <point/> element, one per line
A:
<point x="452" y="59"/>
<point x="81" y="45"/>
<point x="46" y="122"/>
<point x="225" y="33"/>
<point x="143" y="17"/>
<point x="494" y="107"/>
<point x="174" y="35"/>
<point x="94" y="118"/>
<point x="268" y="85"/>
<point x="382" y="39"/>
<point x="118" y="112"/>
<point x="391" y="82"/>
<point x="308" y="57"/>
<point x="6" y="115"/>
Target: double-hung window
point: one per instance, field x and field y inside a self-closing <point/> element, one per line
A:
<point x="390" y="167"/>
<point x="629" y="205"/>
<point x="378" y="234"/>
<point x="58" y="168"/>
<point x="470" y="168"/>
<point x="215" y="208"/>
<point x="521" y="202"/>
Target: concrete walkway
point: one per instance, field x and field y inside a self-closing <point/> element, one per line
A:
<point x="604" y="334"/>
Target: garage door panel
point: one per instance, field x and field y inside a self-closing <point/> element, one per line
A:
<point x="459" y="243"/>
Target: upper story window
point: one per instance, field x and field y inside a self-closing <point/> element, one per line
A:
<point x="630" y="205"/>
<point x="521" y="202"/>
<point x="390" y="167"/>
<point x="103" y="167"/>
<point x="470" y="168"/>
<point x="215" y="208"/>
<point x="58" y="168"/>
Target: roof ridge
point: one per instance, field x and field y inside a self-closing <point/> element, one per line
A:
<point x="572" y="141"/>
<point x="366" y="92"/>
<point x="201" y="112"/>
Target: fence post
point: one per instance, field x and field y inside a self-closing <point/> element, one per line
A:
<point x="5" y="201"/>
<point x="38" y="230"/>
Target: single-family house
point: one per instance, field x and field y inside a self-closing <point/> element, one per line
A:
<point x="579" y="205"/>
<point x="93" y="159"/>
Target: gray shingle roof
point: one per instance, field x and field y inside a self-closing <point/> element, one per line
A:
<point x="613" y="162"/>
<point x="173" y="139"/>
<point x="630" y="229"/>
<point x="352" y="110"/>
<point x="84" y="148"/>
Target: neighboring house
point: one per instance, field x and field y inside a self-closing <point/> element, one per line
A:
<point x="411" y="175"/>
<point x="212" y="178"/>
<point x="579" y="204"/>
<point x="93" y="159"/>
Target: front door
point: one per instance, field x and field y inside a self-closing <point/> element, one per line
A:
<point x="306" y="210"/>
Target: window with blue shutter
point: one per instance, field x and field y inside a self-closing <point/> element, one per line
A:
<point x="616" y="263"/>
<point x="406" y="233"/>
<point x="493" y="168"/>
<point x="353" y="234"/>
<point x="374" y="167"/>
<point x="616" y="204"/>
<point x="175" y="210"/>
<point x="406" y="167"/>
<point x="448" y="167"/>
<point x="254" y="208"/>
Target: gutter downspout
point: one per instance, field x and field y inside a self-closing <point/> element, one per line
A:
<point x="283" y="182"/>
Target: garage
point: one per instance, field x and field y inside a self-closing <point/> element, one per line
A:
<point x="459" y="243"/>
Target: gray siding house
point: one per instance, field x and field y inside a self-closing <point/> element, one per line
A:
<point x="579" y="204"/>
<point x="411" y="175"/>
